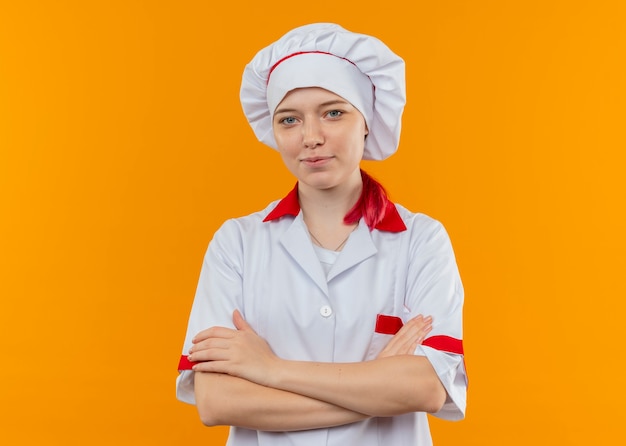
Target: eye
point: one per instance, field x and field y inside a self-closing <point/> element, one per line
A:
<point x="289" y="120"/>
<point x="334" y="113"/>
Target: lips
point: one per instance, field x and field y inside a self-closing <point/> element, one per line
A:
<point x="316" y="159"/>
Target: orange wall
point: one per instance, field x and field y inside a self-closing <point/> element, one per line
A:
<point x="123" y="147"/>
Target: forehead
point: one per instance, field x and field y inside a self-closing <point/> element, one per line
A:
<point x="309" y="96"/>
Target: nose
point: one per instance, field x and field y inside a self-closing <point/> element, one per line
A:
<point x="312" y="135"/>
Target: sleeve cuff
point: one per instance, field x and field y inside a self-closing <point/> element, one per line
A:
<point x="185" y="387"/>
<point x="450" y="369"/>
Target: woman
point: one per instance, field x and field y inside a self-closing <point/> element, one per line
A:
<point x="307" y="324"/>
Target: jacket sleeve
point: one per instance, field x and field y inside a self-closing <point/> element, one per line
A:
<point x="218" y="294"/>
<point x="434" y="288"/>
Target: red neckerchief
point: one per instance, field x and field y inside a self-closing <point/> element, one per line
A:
<point x="392" y="222"/>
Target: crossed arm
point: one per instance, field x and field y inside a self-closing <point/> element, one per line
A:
<point x="239" y="381"/>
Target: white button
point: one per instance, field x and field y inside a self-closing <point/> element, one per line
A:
<point x="326" y="311"/>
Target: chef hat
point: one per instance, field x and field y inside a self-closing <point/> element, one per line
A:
<point x="357" y="67"/>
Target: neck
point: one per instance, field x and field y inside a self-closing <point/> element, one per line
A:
<point x="328" y="207"/>
<point x="324" y="210"/>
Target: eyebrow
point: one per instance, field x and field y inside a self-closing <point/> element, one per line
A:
<point x="323" y="104"/>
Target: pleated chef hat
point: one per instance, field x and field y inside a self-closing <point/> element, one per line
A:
<point x="357" y="67"/>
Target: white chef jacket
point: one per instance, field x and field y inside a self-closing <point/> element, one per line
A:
<point x="264" y="265"/>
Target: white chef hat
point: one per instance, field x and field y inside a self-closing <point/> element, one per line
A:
<point x="357" y="67"/>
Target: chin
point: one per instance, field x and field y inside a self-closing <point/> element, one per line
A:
<point x="319" y="181"/>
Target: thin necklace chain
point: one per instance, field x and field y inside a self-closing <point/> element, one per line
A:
<point x="318" y="243"/>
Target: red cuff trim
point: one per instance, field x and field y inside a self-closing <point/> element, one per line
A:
<point x="445" y="343"/>
<point x="388" y="324"/>
<point x="185" y="363"/>
<point x="392" y="324"/>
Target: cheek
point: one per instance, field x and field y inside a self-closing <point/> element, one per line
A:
<point x="284" y="149"/>
<point x="288" y="146"/>
<point x="358" y="145"/>
<point x="282" y="141"/>
<point x="287" y="154"/>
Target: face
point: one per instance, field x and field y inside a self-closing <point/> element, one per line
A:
<point x="320" y="137"/>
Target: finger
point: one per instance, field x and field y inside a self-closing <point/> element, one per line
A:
<point x="210" y="354"/>
<point x="213" y="332"/>
<point x="415" y="344"/>
<point x="420" y="338"/>
<point x="423" y="331"/>
<point x="420" y="321"/>
<point x="408" y="337"/>
<point x="210" y="343"/>
<point x="418" y="325"/>
<point x="419" y="334"/>
<point x="412" y="329"/>
<point x="399" y="344"/>
<point x="211" y="366"/>
<point x="240" y="322"/>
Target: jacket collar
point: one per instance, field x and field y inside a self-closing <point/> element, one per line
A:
<point x="392" y="222"/>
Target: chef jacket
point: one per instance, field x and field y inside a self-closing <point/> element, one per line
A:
<point x="265" y="265"/>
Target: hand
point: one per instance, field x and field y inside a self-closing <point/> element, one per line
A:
<point x="239" y="352"/>
<point x="406" y="340"/>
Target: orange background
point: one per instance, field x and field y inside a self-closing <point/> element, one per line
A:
<point x="123" y="147"/>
